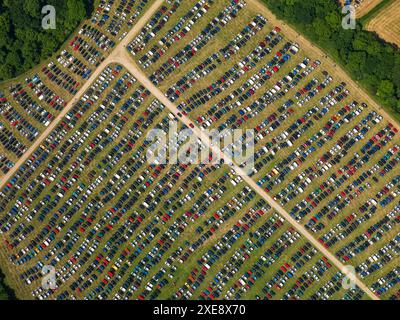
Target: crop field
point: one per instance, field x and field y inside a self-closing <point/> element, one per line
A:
<point x="268" y="82"/>
<point x="88" y="203"/>
<point x="387" y="23"/>
<point x="30" y="103"/>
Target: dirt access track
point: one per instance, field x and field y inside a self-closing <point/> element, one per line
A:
<point x="387" y="23"/>
<point x="365" y="7"/>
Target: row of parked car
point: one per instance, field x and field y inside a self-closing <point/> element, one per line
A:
<point x="87" y="51"/>
<point x="173" y="36"/>
<point x="389" y="280"/>
<point x="350" y="224"/>
<point x="16" y="120"/>
<point x="240" y="95"/>
<point x="300" y="155"/>
<point x="74" y="64"/>
<point x="284" y="272"/>
<point x="5" y="164"/>
<point x="369" y="237"/>
<point x="61" y="130"/>
<point x="112" y="17"/>
<point x="54" y="85"/>
<point x="286" y="139"/>
<point x="44" y="93"/>
<point x="100" y="39"/>
<point x="383" y="138"/>
<point x="238" y="98"/>
<point x="19" y="126"/>
<point x="125" y="14"/>
<point x="390" y="190"/>
<point x="10" y="142"/>
<point x="379" y="259"/>
<point x="354" y="187"/>
<point x="61" y="190"/>
<point x="116" y="227"/>
<point x="244" y="253"/>
<point x="143" y="241"/>
<point x="33" y="213"/>
<point x="24" y="110"/>
<point x="32" y="273"/>
<point x="28" y="107"/>
<point x="175" y="230"/>
<point x="216" y="59"/>
<point x="342" y="123"/>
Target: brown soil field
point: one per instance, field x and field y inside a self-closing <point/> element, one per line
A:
<point x="365" y="7"/>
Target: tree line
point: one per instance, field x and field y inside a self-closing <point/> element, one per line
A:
<point x="23" y="41"/>
<point x="371" y="61"/>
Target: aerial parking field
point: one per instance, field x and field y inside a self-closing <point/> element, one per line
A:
<point x="130" y="230"/>
<point x="365" y="6"/>
<point x="387" y="23"/>
<point x="87" y="201"/>
<point x="320" y="147"/>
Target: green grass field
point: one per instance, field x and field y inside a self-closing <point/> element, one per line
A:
<point x="117" y="227"/>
